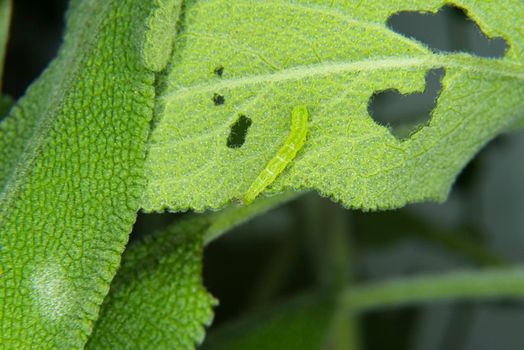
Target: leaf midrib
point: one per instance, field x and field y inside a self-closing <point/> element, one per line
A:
<point x="505" y="68"/>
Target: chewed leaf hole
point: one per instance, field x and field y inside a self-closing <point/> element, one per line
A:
<point x="404" y="114"/>
<point x="219" y="71"/>
<point x="218" y="99"/>
<point x="450" y="30"/>
<point x="238" y="133"/>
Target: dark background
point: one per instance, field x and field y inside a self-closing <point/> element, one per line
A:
<point x="285" y="252"/>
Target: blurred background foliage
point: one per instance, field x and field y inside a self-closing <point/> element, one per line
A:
<point x="273" y="273"/>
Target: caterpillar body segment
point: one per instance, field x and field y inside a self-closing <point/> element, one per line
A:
<point x="286" y="153"/>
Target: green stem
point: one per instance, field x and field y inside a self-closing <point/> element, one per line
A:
<point x="465" y="242"/>
<point x="225" y="220"/>
<point x="331" y="250"/>
<point x="5" y="19"/>
<point x="486" y="284"/>
<point x="456" y="242"/>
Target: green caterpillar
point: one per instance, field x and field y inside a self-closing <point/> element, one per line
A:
<point x="286" y="153"/>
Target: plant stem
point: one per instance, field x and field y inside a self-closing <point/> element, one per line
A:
<point x="465" y="242"/>
<point x="330" y="248"/>
<point x="5" y="19"/>
<point x="470" y="285"/>
<point x="225" y="220"/>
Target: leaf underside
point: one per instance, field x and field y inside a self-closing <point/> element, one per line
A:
<point x="330" y="56"/>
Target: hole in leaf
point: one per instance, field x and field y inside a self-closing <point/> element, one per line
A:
<point x="238" y="133"/>
<point x="404" y="114"/>
<point x="218" y="99"/>
<point x="219" y="71"/>
<point x="450" y="30"/>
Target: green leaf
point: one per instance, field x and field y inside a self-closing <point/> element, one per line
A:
<point x="71" y="159"/>
<point x="266" y="57"/>
<point x="302" y="323"/>
<point x="160" y="33"/>
<point x="157" y="300"/>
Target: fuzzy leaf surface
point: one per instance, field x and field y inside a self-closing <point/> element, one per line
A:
<point x="157" y="300"/>
<point x="71" y="173"/>
<point x="265" y="57"/>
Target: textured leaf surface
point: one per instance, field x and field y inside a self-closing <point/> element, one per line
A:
<point x="330" y="56"/>
<point x="71" y="159"/>
<point x="157" y="300"/>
